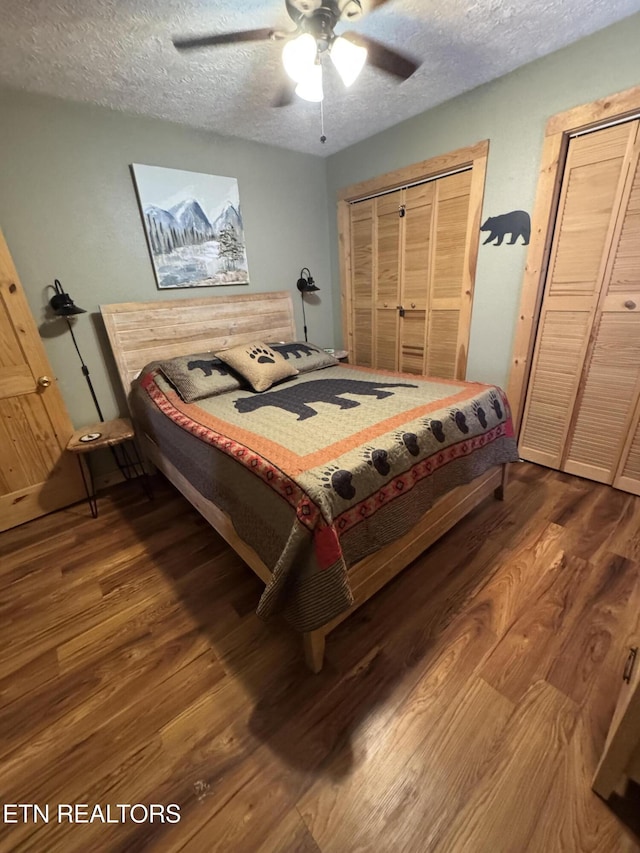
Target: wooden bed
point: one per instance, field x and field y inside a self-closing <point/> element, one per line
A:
<point x="141" y="332"/>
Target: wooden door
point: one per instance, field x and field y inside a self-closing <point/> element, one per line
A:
<point x="450" y="295"/>
<point x="628" y="474"/>
<point x="387" y="279"/>
<point x="36" y="474"/>
<point x="610" y="383"/>
<point x="361" y="295"/>
<point x="424" y="261"/>
<point x="620" y="758"/>
<point x="416" y="276"/>
<point x="625" y="289"/>
<point x="592" y="192"/>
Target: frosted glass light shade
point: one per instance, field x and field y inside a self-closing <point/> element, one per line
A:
<point x="348" y="59"/>
<point x="299" y="55"/>
<point x="310" y="86"/>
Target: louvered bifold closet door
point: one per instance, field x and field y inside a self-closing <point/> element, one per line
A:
<point x="362" y="238"/>
<point x="590" y="198"/>
<point x="415" y="278"/>
<point x="387" y="279"/>
<point x="450" y="242"/>
<point x="607" y="397"/>
<point x="625" y="287"/>
<point x="628" y="474"/>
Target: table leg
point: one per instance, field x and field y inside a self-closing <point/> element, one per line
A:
<point x="89" y="485"/>
<point x="132" y="462"/>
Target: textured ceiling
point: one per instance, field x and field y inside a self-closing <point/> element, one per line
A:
<point x="118" y="53"/>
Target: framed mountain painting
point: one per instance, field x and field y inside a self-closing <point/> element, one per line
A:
<point x="193" y="225"/>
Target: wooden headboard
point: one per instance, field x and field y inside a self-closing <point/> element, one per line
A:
<point x="140" y="332"/>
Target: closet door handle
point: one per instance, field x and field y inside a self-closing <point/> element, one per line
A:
<point x="630" y="304"/>
<point x="628" y="667"/>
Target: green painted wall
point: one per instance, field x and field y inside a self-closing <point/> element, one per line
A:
<point x="511" y="112"/>
<point x="68" y="210"/>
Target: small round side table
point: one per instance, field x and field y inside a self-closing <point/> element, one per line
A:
<point x="115" y="435"/>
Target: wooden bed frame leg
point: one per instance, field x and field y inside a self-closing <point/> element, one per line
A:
<point x="502" y="488"/>
<point x="314" y="649"/>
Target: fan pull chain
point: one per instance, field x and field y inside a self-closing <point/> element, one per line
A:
<point x="323" y="138"/>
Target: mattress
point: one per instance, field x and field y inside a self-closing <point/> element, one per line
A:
<point x="324" y="469"/>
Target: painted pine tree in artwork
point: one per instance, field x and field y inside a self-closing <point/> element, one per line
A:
<point x="153" y="235"/>
<point x="230" y="248"/>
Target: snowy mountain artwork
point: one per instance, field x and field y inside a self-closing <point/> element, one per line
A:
<point x="193" y="225"/>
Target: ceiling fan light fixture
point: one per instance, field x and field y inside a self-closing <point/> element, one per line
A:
<point x="310" y="86"/>
<point x="299" y="56"/>
<point x="348" y="58"/>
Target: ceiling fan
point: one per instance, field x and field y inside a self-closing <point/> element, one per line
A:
<point x="314" y="39"/>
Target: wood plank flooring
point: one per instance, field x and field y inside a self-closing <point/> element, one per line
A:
<point x="462" y="709"/>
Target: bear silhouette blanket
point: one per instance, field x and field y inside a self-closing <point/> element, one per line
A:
<point x="325" y="468"/>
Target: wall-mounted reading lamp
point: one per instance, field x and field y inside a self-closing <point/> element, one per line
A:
<point x="63" y="305"/>
<point x="305" y="284"/>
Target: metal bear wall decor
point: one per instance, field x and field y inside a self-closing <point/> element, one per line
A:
<point x="517" y="223"/>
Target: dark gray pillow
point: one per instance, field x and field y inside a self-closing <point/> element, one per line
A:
<point x="305" y="357"/>
<point x="201" y="375"/>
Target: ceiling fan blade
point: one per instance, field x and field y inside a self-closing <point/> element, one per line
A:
<point x="374" y="4"/>
<point x="263" y="34"/>
<point x="285" y="94"/>
<point x="383" y="57"/>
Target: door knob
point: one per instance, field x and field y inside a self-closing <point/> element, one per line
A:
<point x="44" y="381"/>
<point x="630" y="304"/>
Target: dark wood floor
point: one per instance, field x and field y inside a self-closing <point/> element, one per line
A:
<point x="462" y="709"/>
